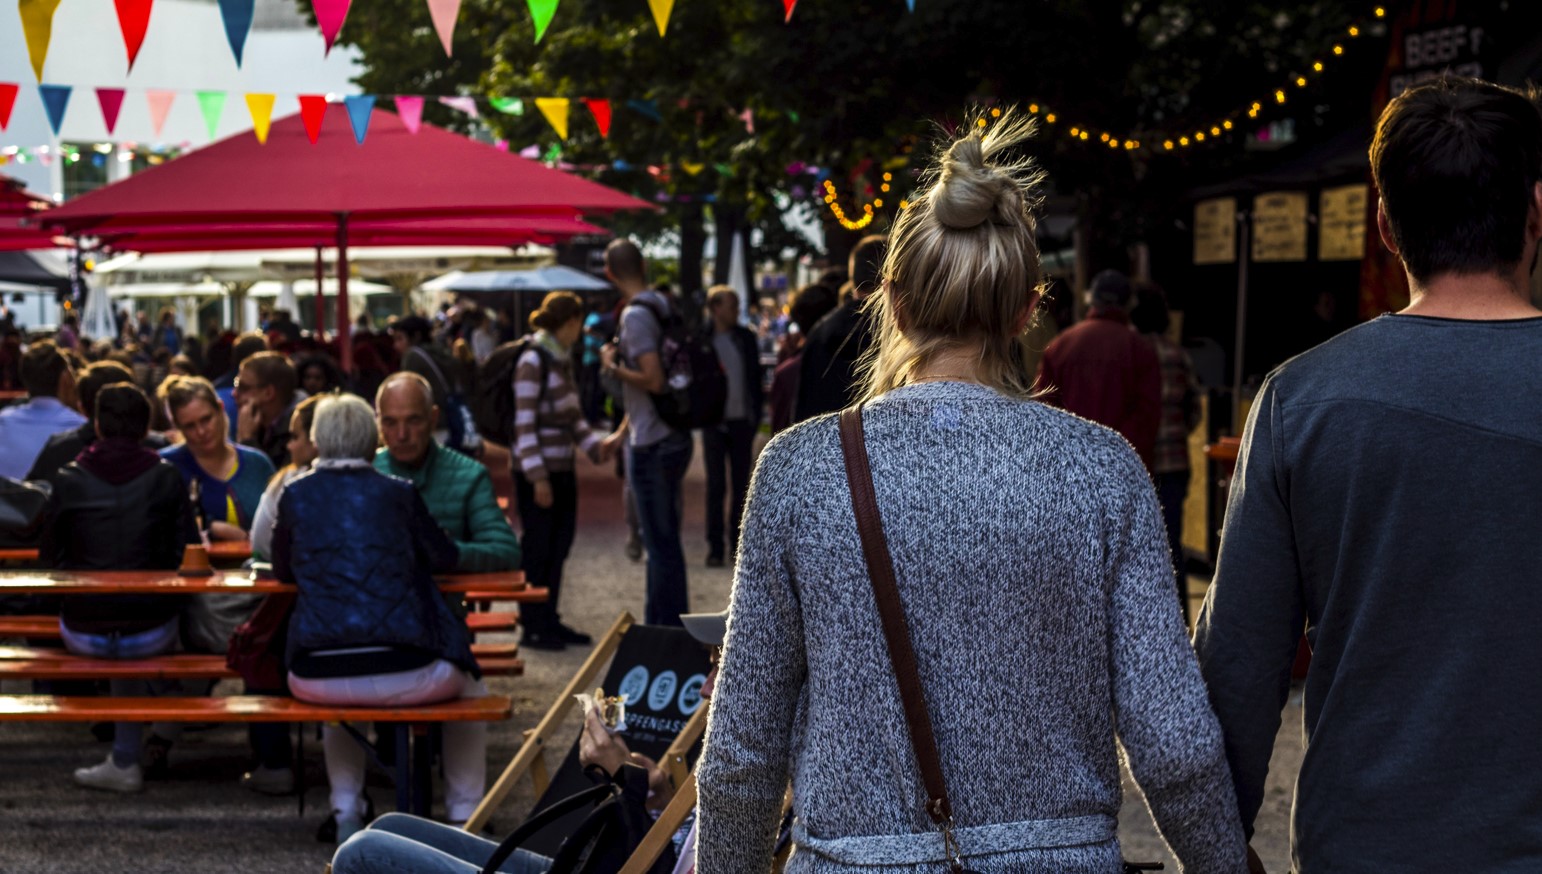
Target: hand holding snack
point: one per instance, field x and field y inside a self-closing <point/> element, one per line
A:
<point x="611" y="708"/>
<point x="598" y="746"/>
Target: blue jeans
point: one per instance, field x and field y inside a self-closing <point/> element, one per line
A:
<point x="401" y="843"/>
<point x="126" y="735"/>
<point x="655" y="473"/>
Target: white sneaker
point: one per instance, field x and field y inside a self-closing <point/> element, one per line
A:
<point x="269" y="781"/>
<point x="111" y="777"/>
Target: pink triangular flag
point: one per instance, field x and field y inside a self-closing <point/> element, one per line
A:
<point x="111" y="100"/>
<point x="410" y="111"/>
<point x="160" y="105"/>
<point x="748" y="117"/>
<point x="467" y="105"/>
<point x="444" y="13"/>
<point x="330" y="15"/>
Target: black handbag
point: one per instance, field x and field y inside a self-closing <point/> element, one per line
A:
<point x="606" y="838"/>
<point x="21" y="509"/>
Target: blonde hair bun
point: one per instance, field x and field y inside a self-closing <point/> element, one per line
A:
<point x="969" y="191"/>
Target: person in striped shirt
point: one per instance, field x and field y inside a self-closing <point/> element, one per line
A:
<point x="548" y="424"/>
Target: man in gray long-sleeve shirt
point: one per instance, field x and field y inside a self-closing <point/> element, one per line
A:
<point x="1380" y="505"/>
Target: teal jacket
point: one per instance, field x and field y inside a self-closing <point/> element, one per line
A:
<point x="459" y="494"/>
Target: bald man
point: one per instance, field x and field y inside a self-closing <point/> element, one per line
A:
<point x="457" y="489"/>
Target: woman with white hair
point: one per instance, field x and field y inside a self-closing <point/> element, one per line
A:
<point x="369" y="626"/>
<point x="1032" y="583"/>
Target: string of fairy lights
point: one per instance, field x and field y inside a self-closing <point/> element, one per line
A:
<point x="1156" y="143"/>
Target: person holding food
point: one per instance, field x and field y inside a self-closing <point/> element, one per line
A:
<point x="1032" y="579"/>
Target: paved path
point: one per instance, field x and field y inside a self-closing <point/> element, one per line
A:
<point x="201" y="821"/>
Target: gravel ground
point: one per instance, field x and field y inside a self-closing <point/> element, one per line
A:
<point x="201" y="821"/>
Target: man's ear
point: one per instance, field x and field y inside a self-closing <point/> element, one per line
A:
<point x="1384" y="227"/>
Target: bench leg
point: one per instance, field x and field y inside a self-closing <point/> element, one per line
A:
<point x="422" y="770"/>
<point x="403" y="766"/>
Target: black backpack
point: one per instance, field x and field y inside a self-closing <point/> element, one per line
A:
<point x="617" y="822"/>
<point x="695" y="386"/>
<point x="493" y="405"/>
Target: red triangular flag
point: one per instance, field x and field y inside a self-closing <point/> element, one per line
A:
<point x="7" y="102"/>
<point x="133" y="20"/>
<point x="111" y="100"/>
<point x="601" y="111"/>
<point x="313" y="108"/>
<point x="788" y="5"/>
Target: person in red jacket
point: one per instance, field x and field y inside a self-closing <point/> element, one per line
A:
<point x="1100" y="369"/>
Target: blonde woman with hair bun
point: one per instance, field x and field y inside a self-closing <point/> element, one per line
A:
<point x="1032" y="567"/>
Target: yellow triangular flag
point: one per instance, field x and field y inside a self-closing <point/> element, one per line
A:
<point x="661" y="10"/>
<point x="37" y="21"/>
<point x="261" y="108"/>
<point x="692" y="168"/>
<point x="556" y="111"/>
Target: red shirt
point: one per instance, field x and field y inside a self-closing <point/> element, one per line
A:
<point x="1100" y="369"/>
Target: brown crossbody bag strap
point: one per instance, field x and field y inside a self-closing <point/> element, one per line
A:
<point x="880" y="570"/>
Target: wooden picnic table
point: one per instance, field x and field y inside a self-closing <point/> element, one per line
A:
<point x="31" y="582"/>
<point x="12" y="395"/>
<point x="219" y="551"/>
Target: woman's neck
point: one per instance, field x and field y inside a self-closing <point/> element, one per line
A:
<point x="215" y="460"/>
<point x="947" y="367"/>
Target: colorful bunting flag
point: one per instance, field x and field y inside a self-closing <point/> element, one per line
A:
<point x="468" y="105"/>
<point x="360" y="108"/>
<point x="237" y="15"/>
<point x="37" y="22"/>
<point x="649" y="108"/>
<point x="7" y="102"/>
<point x="556" y="111"/>
<point x="410" y="111"/>
<point x="160" y="105"/>
<point x="748" y="117"/>
<point x="444" y="13"/>
<point x="212" y="104"/>
<point x="542" y="11"/>
<point x="692" y="168"/>
<point x="111" y="101"/>
<point x="661" y="10"/>
<point x="313" y="108"/>
<point x="600" y="109"/>
<point x="261" y="108"/>
<point x="788" y="5"/>
<point x="330" y="15"/>
<point x="911" y="4"/>
<point x="55" y="99"/>
<point x="508" y="105"/>
<point x="133" y="20"/>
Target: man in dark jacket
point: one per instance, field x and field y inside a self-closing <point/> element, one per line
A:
<point x="119" y="506"/>
<point x="828" y="381"/>
<point x="62" y="448"/>
<point x="1100" y="369"/>
<point x="732" y="441"/>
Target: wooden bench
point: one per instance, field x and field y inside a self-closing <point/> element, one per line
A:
<point x="47" y="627"/>
<point x="40" y="663"/>
<point x="413" y="753"/>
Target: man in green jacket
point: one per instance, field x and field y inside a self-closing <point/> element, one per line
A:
<point x="457" y="489"/>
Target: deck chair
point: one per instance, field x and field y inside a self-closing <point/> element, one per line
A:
<point x="661" y="671"/>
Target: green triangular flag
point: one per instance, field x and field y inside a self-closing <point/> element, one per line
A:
<point x="508" y="105"/>
<point x="213" y="104"/>
<point x="542" y="11"/>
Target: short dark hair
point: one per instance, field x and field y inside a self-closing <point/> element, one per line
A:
<point x="41" y="366"/>
<point x="246" y="346"/>
<point x="122" y="410"/>
<point x="624" y="260"/>
<point x="1111" y="288"/>
<point x="866" y="263"/>
<point x="1150" y="314"/>
<point x="272" y="368"/>
<point x="811" y="303"/>
<point x="415" y="328"/>
<point x="1456" y="163"/>
<point x="97" y="376"/>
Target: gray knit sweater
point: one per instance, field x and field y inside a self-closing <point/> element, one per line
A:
<point x="1035" y="576"/>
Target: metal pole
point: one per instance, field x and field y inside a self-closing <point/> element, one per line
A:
<point x="344" y="348"/>
<point x="1243" y="256"/>
<point x="320" y="303"/>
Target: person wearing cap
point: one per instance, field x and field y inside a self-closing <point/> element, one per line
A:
<point x="402" y="842"/>
<point x="1101" y="369"/>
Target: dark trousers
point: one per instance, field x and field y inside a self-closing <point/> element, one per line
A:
<point x="655" y="473"/>
<point x="1172" y="491"/>
<point x="727" y="446"/>
<point x="547" y="539"/>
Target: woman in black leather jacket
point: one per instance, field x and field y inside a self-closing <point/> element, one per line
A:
<point x="369" y="626"/>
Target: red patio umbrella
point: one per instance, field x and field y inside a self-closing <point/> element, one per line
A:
<point x="396" y="188"/>
<point x="18" y="205"/>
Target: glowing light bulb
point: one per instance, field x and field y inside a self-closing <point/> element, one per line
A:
<point x="1338" y="50"/>
<point x="1317" y="66"/>
<point x="1050" y="118"/>
<point x="1279" y="97"/>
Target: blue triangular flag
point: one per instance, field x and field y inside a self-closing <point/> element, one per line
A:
<point x="650" y="108"/>
<point x="238" y="22"/>
<point x="55" y="99"/>
<point x="911" y="4"/>
<point x="359" y="108"/>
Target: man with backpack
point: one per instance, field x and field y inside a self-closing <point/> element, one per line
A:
<point x="658" y="451"/>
